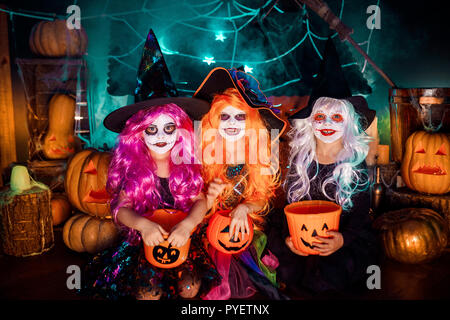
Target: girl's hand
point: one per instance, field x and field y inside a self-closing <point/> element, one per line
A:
<point x="152" y="233"/>
<point x="329" y="245"/>
<point x="239" y="221"/>
<point x="180" y="234"/>
<point x="215" y="188"/>
<point x="290" y="245"/>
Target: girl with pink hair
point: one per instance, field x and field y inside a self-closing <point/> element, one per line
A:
<point x="153" y="167"/>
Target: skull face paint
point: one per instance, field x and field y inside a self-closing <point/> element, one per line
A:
<point x="328" y="123"/>
<point x="161" y="134"/>
<point x="232" y="123"/>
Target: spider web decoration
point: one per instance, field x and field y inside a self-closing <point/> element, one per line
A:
<point x="278" y="41"/>
<point x="274" y="40"/>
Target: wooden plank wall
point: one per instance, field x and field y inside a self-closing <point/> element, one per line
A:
<point x="7" y="131"/>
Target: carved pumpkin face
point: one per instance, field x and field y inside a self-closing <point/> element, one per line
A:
<point x="308" y="219"/>
<point x="59" y="148"/>
<point x="60" y="142"/>
<point x="85" y="182"/>
<point x="165" y="255"/>
<point x="218" y="233"/>
<point x="426" y="163"/>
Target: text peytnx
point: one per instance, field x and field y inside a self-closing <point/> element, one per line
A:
<point x="240" y="309"/>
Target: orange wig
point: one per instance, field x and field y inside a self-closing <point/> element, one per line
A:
<point x="259" y="185"/>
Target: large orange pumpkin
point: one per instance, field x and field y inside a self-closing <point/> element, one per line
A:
<point x="84" y="233"/>
<point x="54" y="39"/>
<point x="426" y="162"/>
<point x="60" y="142"/>
<point x="218" y="234"/>
<point x="85" y="182"/>
<point x="412" y="235"/>
<point x="164" y="255"/>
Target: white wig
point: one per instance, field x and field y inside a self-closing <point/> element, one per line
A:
<point x="346" y="175"/>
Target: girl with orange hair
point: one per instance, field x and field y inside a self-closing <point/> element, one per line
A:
<point x="241" y="176"/>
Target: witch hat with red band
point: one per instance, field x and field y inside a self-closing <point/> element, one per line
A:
<point x="154" y="88"/>
<point x="220" y="79"/>
<point x="330" y="82"/>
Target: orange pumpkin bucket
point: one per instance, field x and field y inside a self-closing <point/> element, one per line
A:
<point x="307" y="219"/>
<point x="165" y="255"/>
<point x="218" y="233"/>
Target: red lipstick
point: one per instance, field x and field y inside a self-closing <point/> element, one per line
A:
<point x="327" y="132"/>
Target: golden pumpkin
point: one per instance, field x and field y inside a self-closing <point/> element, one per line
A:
<point x="85" y="182"/>
<point x="60" y="142"/>
<point x="61" y="209"/>
<point x="412" y="235"/>
<point x="54" y="39"/>
<point x="84" y="233"/>
<point x="426" y="162"/>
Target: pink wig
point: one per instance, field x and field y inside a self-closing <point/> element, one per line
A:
<point x="132" y="180"/>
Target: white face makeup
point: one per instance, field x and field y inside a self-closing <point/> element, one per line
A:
<point x="232" y="123"/>
<point x="161" y="134"/>
<point x="328" y="123"/>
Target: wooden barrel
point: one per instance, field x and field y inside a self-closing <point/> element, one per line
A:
<point x="26" y="225"/>
<point x="417" y="109"/>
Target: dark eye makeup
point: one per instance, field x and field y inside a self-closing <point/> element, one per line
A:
<point x="238" y="117"/>
<point x="151" y="130"/>
<point x="168" y="128"/>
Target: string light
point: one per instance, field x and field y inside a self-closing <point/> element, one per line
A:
<point x="247" y="69"/>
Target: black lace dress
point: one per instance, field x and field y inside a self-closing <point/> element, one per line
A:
<point x="343" y="270"/>
<point x="124" y="272"/>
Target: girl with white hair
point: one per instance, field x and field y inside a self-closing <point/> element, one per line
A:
<point x="327" y="162"/>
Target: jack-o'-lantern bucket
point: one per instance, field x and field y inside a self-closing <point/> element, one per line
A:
<point x="164" y="255"/>
<point x="218" y="233"/>
<point x="307" y="219"/>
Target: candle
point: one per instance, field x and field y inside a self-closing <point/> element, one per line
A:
<point x="383" y="154"/>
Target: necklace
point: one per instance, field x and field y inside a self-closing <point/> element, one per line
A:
<point x="233" y="171"/>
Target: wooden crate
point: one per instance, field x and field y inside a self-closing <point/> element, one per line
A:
<point x="51" y="173"/>
<point x="42" y="78"/>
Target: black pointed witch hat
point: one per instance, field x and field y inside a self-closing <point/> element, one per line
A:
<point x="330" y="82"/>
<point x="154" y="87"/>
<point x="220" y="79"/>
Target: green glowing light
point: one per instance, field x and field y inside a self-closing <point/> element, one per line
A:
<point x="209" y="60"/>
<point x="247" y="69"/>
<point x="220" y="37"/>
<point x="278" y="9"/>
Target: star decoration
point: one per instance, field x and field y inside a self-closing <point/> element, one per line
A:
<point x="220" y="37"/>
<point x="247" y="69"/>
<point x="209" y="60"/>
